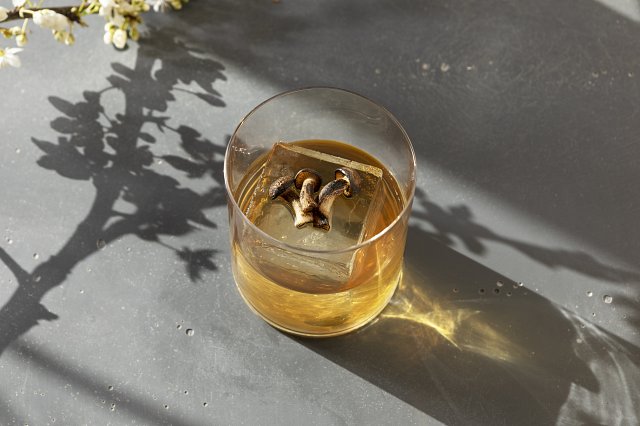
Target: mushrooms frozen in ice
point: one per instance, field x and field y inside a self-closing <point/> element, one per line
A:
<point x="347" y="183"/>
<point x="282" y="187"/>
<point x="308" y="181"/>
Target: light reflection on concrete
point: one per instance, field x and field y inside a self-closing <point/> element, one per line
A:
<point x="630" y="9"/>
<point x="616" y="367"/>
<point x="601" y="376"/>
<point x="460" y="326"/>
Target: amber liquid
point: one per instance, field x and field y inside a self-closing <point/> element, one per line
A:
<point x="320" y="313"/>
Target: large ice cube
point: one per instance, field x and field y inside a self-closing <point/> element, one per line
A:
<point x="352" y="217"/>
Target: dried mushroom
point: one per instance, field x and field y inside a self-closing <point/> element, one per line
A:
<point x="308" y="181"/>
<point x="283" y="188"/>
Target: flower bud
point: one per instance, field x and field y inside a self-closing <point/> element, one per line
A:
<point x="120" y="38"/>
<point x="21" y="39"/>
<point x="108" y="36"/>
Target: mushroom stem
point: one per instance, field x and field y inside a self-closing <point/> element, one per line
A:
<point x="351" y="177"/>
<point x="327" y="196"/>
<point x="283" y="188"/>
<point x="306" y="195"/>
<point x="321" y="221"/>
<point x="301" y="217"/>
<point x="308" y="181"/>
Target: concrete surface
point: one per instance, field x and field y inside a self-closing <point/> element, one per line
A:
<point x="525" y="117"/>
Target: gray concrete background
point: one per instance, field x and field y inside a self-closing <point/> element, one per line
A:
<point x="525" y="117"/>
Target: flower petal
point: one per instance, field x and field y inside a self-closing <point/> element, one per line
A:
<point x="3" y="13"/>
<point x="14" y="61"/>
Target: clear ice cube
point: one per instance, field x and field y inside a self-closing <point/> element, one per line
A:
<point x="351" y="219"/>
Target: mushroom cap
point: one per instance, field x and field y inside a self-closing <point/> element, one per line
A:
<point x="280" y="185"/>
<point x="304" y="174"/>
<point x="333" y="189"/>
<point x="353" y="179"/>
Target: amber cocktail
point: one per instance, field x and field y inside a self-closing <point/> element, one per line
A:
<point x="320" y="183"/>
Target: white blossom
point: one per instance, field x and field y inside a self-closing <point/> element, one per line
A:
<point x="119" y="38"/>
<point x="126" y="8"/>
<point x="106" y="6"/>
<point x="122" y="19"/>
<point x="159" y="5"/>
<point x="8" y="57"/>
<point x="117" y="20"/>
<point x="113" y="12"/>
<point x="47" y="18"/>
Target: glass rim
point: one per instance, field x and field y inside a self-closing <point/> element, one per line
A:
<point x="274" y="241"/>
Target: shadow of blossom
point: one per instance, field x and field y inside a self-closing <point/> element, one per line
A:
<point x="205" y="159"/>
<point x="197" y="260"/>
<point x="115" y="154"/>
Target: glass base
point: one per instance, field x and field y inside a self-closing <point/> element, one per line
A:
<point x="332" y="333"/>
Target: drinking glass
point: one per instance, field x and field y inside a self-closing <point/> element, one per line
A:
<point x="291" y="287"/>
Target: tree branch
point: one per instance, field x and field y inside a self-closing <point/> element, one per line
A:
<point x="71" y="12"/>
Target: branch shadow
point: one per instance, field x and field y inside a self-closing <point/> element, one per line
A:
<point x="115" y="154"/>
<point x="458" y="222"/>
<point x="467" y="345"/>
